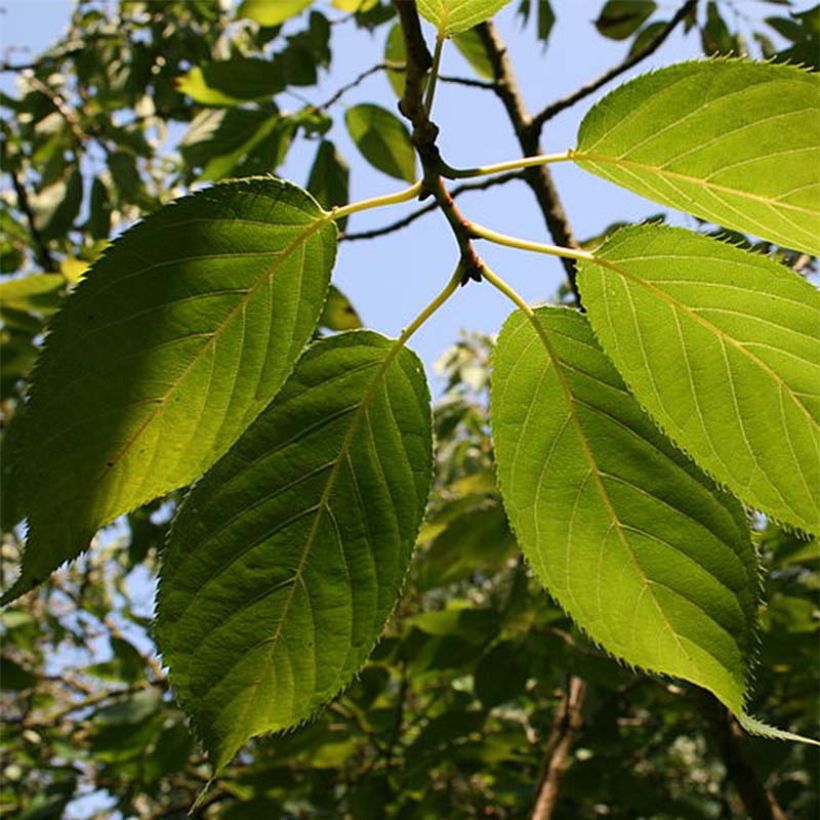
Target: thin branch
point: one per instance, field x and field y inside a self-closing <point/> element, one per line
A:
<point x="540" y="178"/>
<point x="490" y="182"/>
<point x="18" y="67"/>
<point x="565" y="727"/>
<point x="41" y="249"/>
<point x="489" y="85"/>
<point x="70" y="117"/>
<point x="384" y="66"/>
<point x="590" y="88"/>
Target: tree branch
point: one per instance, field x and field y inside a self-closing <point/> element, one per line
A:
<point x="590" y="88"/>
<point x="540" y="178"/>
<point x="489" y="182"/>
<point x="489" y="85"/>
<point x="565" y="727"/>
<point x="383" y="66"/>
<point x="425" y="133"/>
<point x="41" y="250"/>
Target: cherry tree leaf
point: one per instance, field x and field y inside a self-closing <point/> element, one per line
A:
<point x="164" y="353"/>
<point x="635" y="543"/>
<point x="286" y="559"/>
<point x="721" y="347"/>
<point x="727" y="140"/>
<point x="454" y="16"/>
<point x="383" y="140"/>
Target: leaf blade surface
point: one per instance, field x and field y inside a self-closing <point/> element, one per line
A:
<point x="162" y="356"/>
<point x="720" y="345"/>
<point x="287" y="558"/>
<point x="454" y="16"/>
<point x="630" y="537"/>
<point x="725" y="140"/>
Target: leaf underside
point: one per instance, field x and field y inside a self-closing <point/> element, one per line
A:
<point x="286" y="559"/>
<point x="164" y="354"/>
<point x="638" y="546"/>
<point x="726" y="140"/>
<point x="721" y="347"/>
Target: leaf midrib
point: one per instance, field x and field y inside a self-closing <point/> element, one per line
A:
<point x="593" y="467"/>
<point x="660" y="171"/>
<point x="675" y="304"/>
<point x="321" y="507"/>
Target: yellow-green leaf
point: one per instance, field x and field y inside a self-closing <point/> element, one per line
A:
<point x="721" y="347"/>
<point x="727" y="140"/>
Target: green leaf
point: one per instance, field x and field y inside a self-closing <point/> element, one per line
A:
<point x="222" y="142"/>
<point x="57" y="205"/>
<point x="234" y="81"/>
<point x="646" y="36"/>
<point x="720" y="345"/>
<point x="715" y="36"/>
<point x="634" y="542"/>
<point x="268" y="13"/>
<point x="329" y="178"/>
<point x="287" y="558"/>
<point x="620" y="19"/>
<point x="163" y="355"/>
<point x="14" y="677"/>
<point x="383" y="140"/>
<point x="339" y="313"/>
<point x="99" y="218"/>
<point x="725" y="140"/>
<point x="472" y="49"/>
<point x="37" y="293"/>
<point x="453" y="16"/>
<point x="394" y="52"/>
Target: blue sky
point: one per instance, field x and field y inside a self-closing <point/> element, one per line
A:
<point x="392" y="278"/>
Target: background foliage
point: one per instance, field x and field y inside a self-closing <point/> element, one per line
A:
<point x="469" y="695"/>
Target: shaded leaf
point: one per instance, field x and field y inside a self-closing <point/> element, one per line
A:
<point x="165" y="352"/>
<point x="620" y="19"/>
<point x="286" y="559"/>
<point x="328" y="180"/>
<point x="383" y="140"/>
<point x="721" y="347"/>
<point x="724" y="140"/>
<point x="339" y="313"/>
<point x="471" y="47"/>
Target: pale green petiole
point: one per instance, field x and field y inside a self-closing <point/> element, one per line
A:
<point x="526" y="245"/>
<point x="511" y="165"/>
<point x="431" y="85"/>
<point x="375" y="202"/>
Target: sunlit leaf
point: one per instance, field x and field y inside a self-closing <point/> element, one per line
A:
<point x="230" y="82"/>
<point x="271" y="12"/>
<point x="721" y="346"/>
<point x="725" y="140"/>
<point x="453" y="16"/>
<point x="637" y="545"/>
<point x="286" y="559"/>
